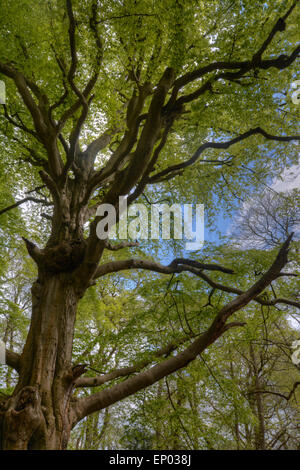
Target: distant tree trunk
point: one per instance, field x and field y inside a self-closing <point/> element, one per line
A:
<point x="236" y="431"/>
<point x="257" y="404"/>
<point x="158" y="421"/>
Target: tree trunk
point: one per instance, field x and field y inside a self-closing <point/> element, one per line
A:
<point x="36" y="416"/>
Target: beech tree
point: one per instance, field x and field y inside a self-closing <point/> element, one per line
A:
<point x="108" y="99"/>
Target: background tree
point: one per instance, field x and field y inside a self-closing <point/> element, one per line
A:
<point x="115" y="100"/>
<point x="242" y="394"/>
<point x="269" y="218"/>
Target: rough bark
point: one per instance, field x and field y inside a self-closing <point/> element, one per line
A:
<point x="36" y="416"/>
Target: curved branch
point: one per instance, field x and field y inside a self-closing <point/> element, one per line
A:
<point x="176" y="266"/>
<point x="180" y="265"/>
<point x="174" y="169"/>
<point x="22" y="201"/>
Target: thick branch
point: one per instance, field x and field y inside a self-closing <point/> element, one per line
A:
<point x="135" y="169"/>
<point x="45" y="132"/>
<point x="125" y="371"/>
<point x="35" y="252"/>
<point x="12" y="359"/>
<point x="243" y="299"/>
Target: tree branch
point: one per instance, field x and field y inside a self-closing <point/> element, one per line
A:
<point x="174" y="169"/>
<point x="125" y="371"/>
<point x="259" y="299"/>
<point x="44" y="129"/>
<point x="22" y="201"/>
<point x="242" y="66"/>
<point x="176" y="266"/>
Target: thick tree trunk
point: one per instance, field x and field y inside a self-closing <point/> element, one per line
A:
<point x="36" y="416"/>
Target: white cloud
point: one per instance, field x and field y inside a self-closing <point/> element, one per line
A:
<point x="290" y="179"/>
